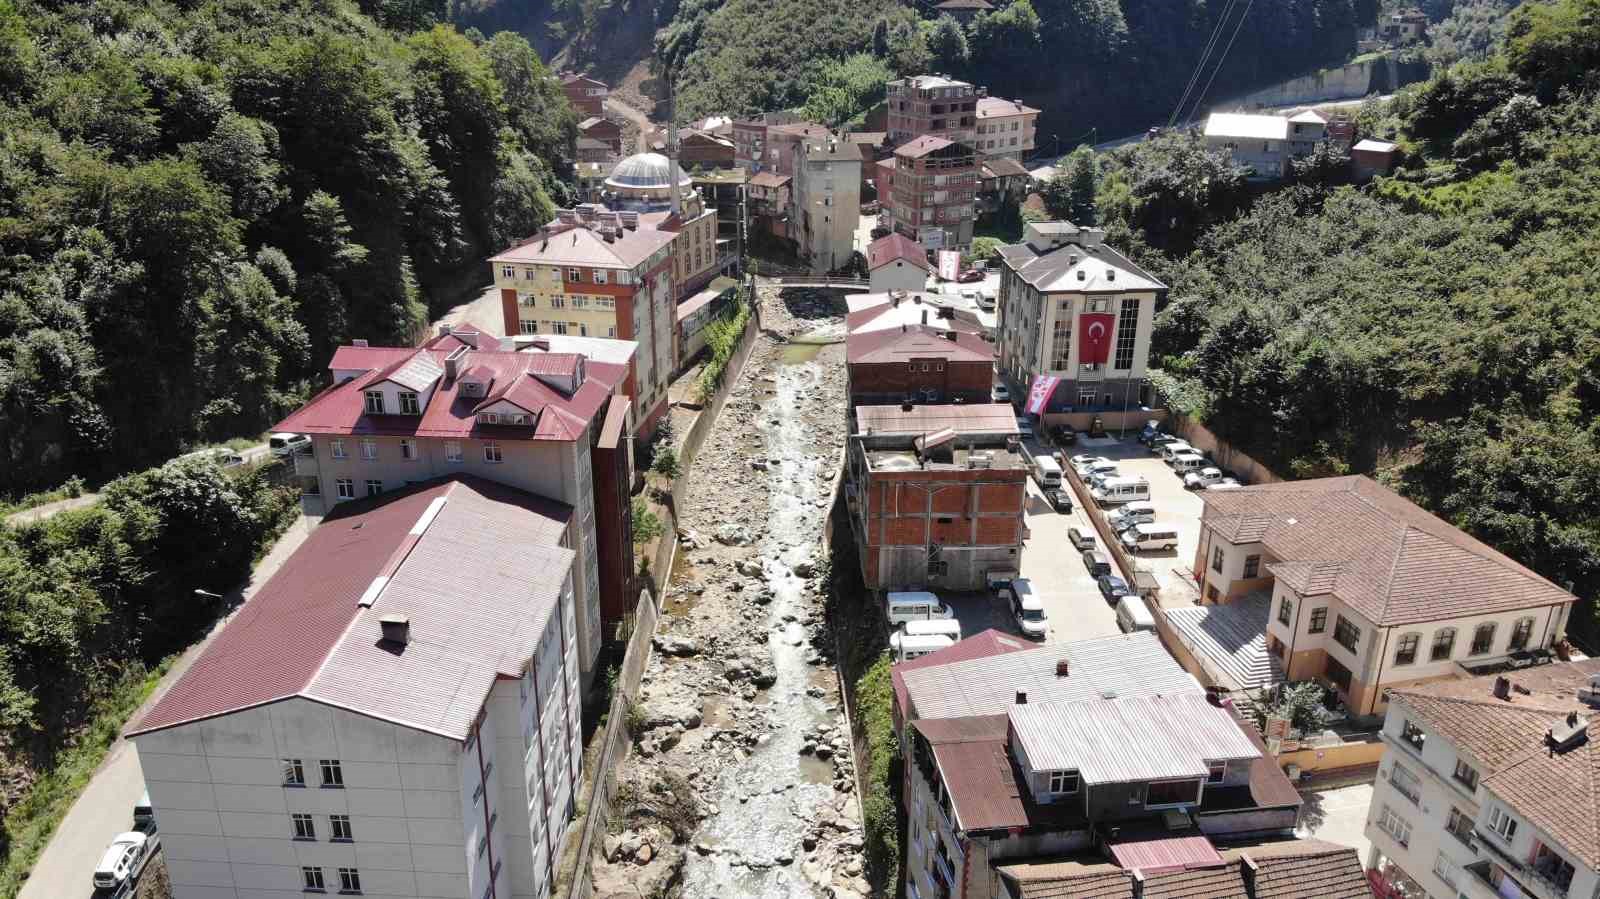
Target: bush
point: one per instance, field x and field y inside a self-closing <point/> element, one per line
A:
<point x="722" y="336"/>
<point x="880" y="805"/>
<point x="646" y="526"/>
<point x="666" y="463"/>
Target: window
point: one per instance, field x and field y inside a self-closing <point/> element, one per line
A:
<point x="1405" y="783"/>
<point x="599" y="276"/>
<point x="349" y="880"/>
<point x="1211" y="592"/>
<point x="408" y="449"/>
<point x="369" y="450"/>
<point x="1501" y="822"/>
<point x="304" y="828"/>
<point x="559" y="328"/>
<point x="1520" y="633"/>
<point x="1252" y="566"/>
<point x="1285" y="610"/>
<point x="1216" y="559"/>
<point x="1413" y="736"/>
<point x="1466" y="775"/>
<point x="1171" y="792"/>
<point x="312" y="878"/>
<point x="452" y="451"/>
<point x="507" y="271"/>
<point x="558" y="302"/>
<point x="1444" y="868"/>
<point x="1406" y="652"/>
<point x="1482" y="639"/>
<point x="374" y="402"/>
<point x="527" y="274"/>
<point x="1062" y="782"/>
<point x="332" y="773"/>
<point x="294" y="774"/>
<point x="1127" y="329"/>
<point x="409" y="404"/>
<point x="574" y="274"/>
<point x="340" y="824"/>
<point x="1444" y="641"/>
<point x="489" y="418"/>
<point x="374" y="487"/>
<point x="1346" y="634"/>
<point x="1459" y="825"/>
<point x="336" y="447"/>
<point x="491" y="452"/>
<point x="528" y="326"/>
<point x="1319" y="619"/>
<point x="1215" y="773"/>
<point x="346" y="488"/>
<point x="1395" y="826"/>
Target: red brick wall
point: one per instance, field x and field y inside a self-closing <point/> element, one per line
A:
<point x="613" y="531"/>
<point x="898" y="517"/>
<point x="508" y="311"/>
<point x="971" y="381"/>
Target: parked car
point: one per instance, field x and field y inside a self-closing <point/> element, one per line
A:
<point x="1150" y="535"/>
<point x="1081" y="539"/>
<point x="1152" y="429"/>
<point x="1025" y="425"/>
<point x="1026" y="608"/>
<point x="970" y="276"/>
<point x="1224" y="484"/>
<point x="1001" y="393"/>
<point x="1205" y="477"/>
<point x="986" y="300"/>
<point x="1097" y="472"/>
<point x="1175" y="448"/>
<point x="1083" y="459"/>
<point x="1184" y="463"/>
<point x="1096" y="562"/>
<point x="1064" y="436"/>
<point x="1060" y="500"/>
<point x="1112" y="587"/>
<point x="289" y="444"/>
<point x="1160" y="442"/>
<point x="122" y="860"/>
<point x="1131" y="514"/>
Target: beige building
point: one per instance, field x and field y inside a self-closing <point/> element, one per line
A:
<point x="827" y="201"/>
<point x="1006" y="129"/>
<point x="394" y="713"/>
<point x="1073" y="308"/>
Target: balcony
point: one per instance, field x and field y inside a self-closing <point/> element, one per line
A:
<point x="1549" y="879"/>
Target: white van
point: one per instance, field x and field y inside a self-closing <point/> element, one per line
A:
<point x="1046" y="472"/>
<point x="945" y="627"/>
<point x="1103" y="469"/>
<point x="1134" y="615"/>
<point x="916" y="605"/>
<point x="1026" y="608"/>
<point x="912" y="646"/>
<point x="1150" y="535"/>
<point x="1188" y="462"/>
<point x="1174" y="449"/>
<point x="1131" y="514"/>
<point x="1121" y="490"/>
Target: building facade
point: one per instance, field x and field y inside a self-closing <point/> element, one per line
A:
<point x="603" y="130"/>
<point x="895" y="262"/>
<point x="1005" y="129"/>
<point x="323" y="742"/>
<point x="932" y="105"/>
<point x="587" y="95"/>
<point x="1484" y="786"/>
<point x="1369" y="592"/>
<point x="1265" y="144"/>
<point x="826" y="192"/>
<point x="1075" y="309"/>
<point x="934" y="192"/>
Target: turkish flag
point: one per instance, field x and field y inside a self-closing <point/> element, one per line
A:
<point x="1094" y="329"/>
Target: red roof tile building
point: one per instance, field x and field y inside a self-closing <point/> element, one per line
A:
<point x="408" y="682"/>
<point x="934" y="190"/>
<point x="587" y="95"/>
<point x="896" y="262"/>
<point x="932" y="105"/>
<point x="603" y="130"/>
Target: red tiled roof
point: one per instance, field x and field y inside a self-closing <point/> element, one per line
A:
<point x="478" y="580"/>
<point x="768" y="179"/>
<point x="917" y="342"/>
<point x="1165" y="853"/>
<point x="894" y="246"/>
<point x="1386" y="557"/>
<point x="1285" y="869"/>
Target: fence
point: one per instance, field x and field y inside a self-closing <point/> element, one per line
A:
<point x="1200" y="437"/>
<point x="614" y="742"/>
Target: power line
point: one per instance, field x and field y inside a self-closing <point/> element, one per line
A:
<point x="1194" y="78"/>
<point x="1220" y="60"/>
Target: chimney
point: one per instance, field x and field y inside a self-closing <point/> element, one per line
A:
<point x="1138" y="883"/>
<point x="924" y="316"/>
<point x="360" y="341"/>
<point x="508" y="344"/>
<point x="1063" y="667"/>
<point x="444" y="329"/>
<point x="1502" y="688"/>
<point x="452" y="363"/>
<point x="1248" y="869"/>
<point x="1111" y="274"/>
<point x="396" y="629"/>
<point x="1022" y="698"/>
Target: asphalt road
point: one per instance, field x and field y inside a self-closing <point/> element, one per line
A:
<point x="40" y="513"/>
<point x="105" y="808"/>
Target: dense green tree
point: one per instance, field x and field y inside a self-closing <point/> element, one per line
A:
<point x="948" y="44"/>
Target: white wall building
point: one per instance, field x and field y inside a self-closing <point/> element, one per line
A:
<point x="827" y="201"/>
<point x="395" y="713"/>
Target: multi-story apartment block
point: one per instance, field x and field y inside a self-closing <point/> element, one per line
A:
<point x="396" y="712"/>
<point x="1106" y="744"/>
<point x="934" y="191"/>
<point x="1486" y="787"/>
<point x="597" y="273"/>
<point x="1368" y="592"/>
<point x="1075" y="309"/>
<point x="770" y="202"/>
<point x="827" y="201"/>
<point x="553" y="424"/>
<point x="932" y="105"/>
<point x="587" y="95"/>
<point x="1005" y="128"/>
<point x="772" y="142"/>
<point x="936" y="495"/>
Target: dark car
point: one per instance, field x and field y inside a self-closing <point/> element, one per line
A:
<point x="1112" y="587"/>
<point x="1060" y="500"/>
<point x="1096" y="562"/>
<point x="970" y="276"/>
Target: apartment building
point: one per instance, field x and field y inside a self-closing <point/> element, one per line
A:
<point x="934" y="190"/>
<point x="771" y="143"/>
<point x="1074" y="309"/>
<point x="1486" y="787"/>
<point x="395" y="712"/>
<point x="934" y="106"/>
<point x="917" y="363"/>
<point x="598" y="273"/>
<point x="587" y="95"/>
<point x="770" y="201"/>
<point x="936" y="495"/>
<point x="554" y="424"/>
<point x="603" y="130"/>
<point x="896" y="262"/>
<point x="1045" y="754"/>
<point x="1367" y="592"/>
<point x="1005" y="129"/>
<point x="827" y="201"/>
<point x="1265" y="144"/>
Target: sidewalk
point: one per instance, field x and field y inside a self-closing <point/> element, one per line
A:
<point x="106" y="807"/>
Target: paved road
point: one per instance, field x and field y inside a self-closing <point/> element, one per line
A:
<point x="485" y="312"/>
<point x="1338" y="815"/>
<point x="106" y="807"/>
<point x="615" y="106"/>
<point x="251" y="456"/>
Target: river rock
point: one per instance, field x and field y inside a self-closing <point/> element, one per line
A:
<point x="805" y="568"/>
<point x="675" y="645"/>
<point x="733" y="535"/>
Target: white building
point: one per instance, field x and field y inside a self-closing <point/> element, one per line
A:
<point x="1265" y="143"/>
<point x="395" y="713"/>
<point x="1486" y="789"/>
<point x="1006" y="128"/>
<point x="827" y="201"/>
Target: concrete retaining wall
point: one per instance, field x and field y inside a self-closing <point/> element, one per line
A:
<point x="1372" y="76"/>
<point x="1223" y="453"/>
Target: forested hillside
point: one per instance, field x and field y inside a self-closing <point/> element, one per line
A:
<point x="199" y="200"/>
<point x="1440" y="328"/>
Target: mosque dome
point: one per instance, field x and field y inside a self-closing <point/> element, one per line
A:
<point x="645" y="171"/>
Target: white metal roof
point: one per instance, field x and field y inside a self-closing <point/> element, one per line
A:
<point x="610" y="350"/>
<point x="1129" y="739"/>
<point x="1122" y="665"/>
<point x="1369" y="145"/>
<point x="1073" y="267"/>
<point x="1251" y="127"/>
<point x="1310" y="116"/>
<point x="1230" y="639"/>
<point x="418" y="373"/>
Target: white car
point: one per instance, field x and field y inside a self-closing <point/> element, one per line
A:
<point x="289" y="444"/>
<point x="1224" y="484"/>
<point x="1001" y="393"/>
<point x="1083" y="459"/>
<point x="122" y="860"/>
<point x="1083" y="465"/>
<point x="1095" y="472"/>
<point x="1205" y="477"/>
